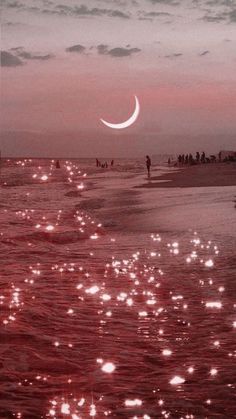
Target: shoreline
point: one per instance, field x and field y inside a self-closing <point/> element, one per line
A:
<point x="202" y="175"/>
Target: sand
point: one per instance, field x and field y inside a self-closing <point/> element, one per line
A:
<point x="203" y="175"/>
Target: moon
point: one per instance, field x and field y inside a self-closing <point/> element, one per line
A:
<point x="129" y="121"/>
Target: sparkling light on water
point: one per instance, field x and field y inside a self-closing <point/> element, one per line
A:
<point x="176" y="380"/>
<point x="132" y="403"/>
<point x="108" y="367"/>
<point x="109" y="325"/>
<point x="214" y="304"/>
<point x="166" y="352"/>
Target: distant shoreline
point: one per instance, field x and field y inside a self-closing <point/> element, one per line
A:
<point x="73" y="158"/>
<point x="202" y="175"/>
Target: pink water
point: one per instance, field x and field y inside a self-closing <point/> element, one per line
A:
<point x="114" y="301"/>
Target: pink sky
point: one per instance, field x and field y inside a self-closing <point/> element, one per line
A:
<point x="180" y="64"/>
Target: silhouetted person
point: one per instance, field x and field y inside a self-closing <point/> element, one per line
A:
<point x="179" y="158"/>
<point x="58" y="164"/>
<point x="182" y="159"/>
<point x="190" y="158"/>
<point x="112" y="162"/>
<point x="220" y="156"/>
<point x="148" y="164"/>
<point x="213" y="158"/>
<point x="197" y="156"/>
<point x="186" y="159"/>
<point x="203" y="157"/>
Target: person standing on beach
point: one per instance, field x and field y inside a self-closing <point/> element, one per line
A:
<point x="148" y="164"/>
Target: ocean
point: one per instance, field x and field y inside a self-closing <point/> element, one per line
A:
<point x="115" y="301"/>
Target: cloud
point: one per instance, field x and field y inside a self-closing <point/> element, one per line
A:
<point x="123" y="52"/>
<point x="34" y="9"/>
<point x="96" y="11"/>
<point x="156" y="14"/>
<point x="76" y="48"/>
<point x="63" y="9"/>
<point x="9" y="60"/>
<point x="146" y="18"/>
<point x="216" y="18"/>
<point x="102" y="49"/>
<point x="117" y="52"/>
<point x="84" y="11"/>
<point x="175" y="55"/>
<point x="232" y="16"/>
<point x="118" y="13"/>
<point x="13" y="4"/>
<point x="171" y="2"/>
<point x="227" y="3"/>
<point x="13" y="24"/>
<point x="121" y="3"/>
<point x="17" y="49"/>
<point x="226" y="15"/>
<point x="28" y="56"/>
<point x="204" y="53"/>
<point x="47" y="2"/>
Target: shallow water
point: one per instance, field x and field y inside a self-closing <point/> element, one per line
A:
<point x="115" y="301"/>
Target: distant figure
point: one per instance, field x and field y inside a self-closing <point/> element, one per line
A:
<point x="112" y="162"/>
<point x="186" y="159"/>
<point x="190" y="159"/>
<point x="197" y="156"/>
<point x="148" y="164"/>
<point x="97" y="162"/>
<point x="179" y="158"/>
<point x="220" y="156"/>
<point x="106" y="165"/>
<point x="58" y="164"/>
<point x="169" y="161"/>
<point x="203" y="157"/>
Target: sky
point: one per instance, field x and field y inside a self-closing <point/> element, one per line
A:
<point x="67" y="63"/>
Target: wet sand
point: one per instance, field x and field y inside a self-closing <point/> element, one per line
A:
<point x="203" y="175"/>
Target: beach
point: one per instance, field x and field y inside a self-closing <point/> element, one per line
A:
<point x="206" y="175"/>
<point x="117" y="292"/>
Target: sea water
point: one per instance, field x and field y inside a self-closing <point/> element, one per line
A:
<point x="115" y="301"/>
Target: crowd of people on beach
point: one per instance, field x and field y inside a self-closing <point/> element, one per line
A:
<point x="189" y="159"/>
<point x="104" y="165"/>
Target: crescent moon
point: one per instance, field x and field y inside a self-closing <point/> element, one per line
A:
<point x="129" y="121"/>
